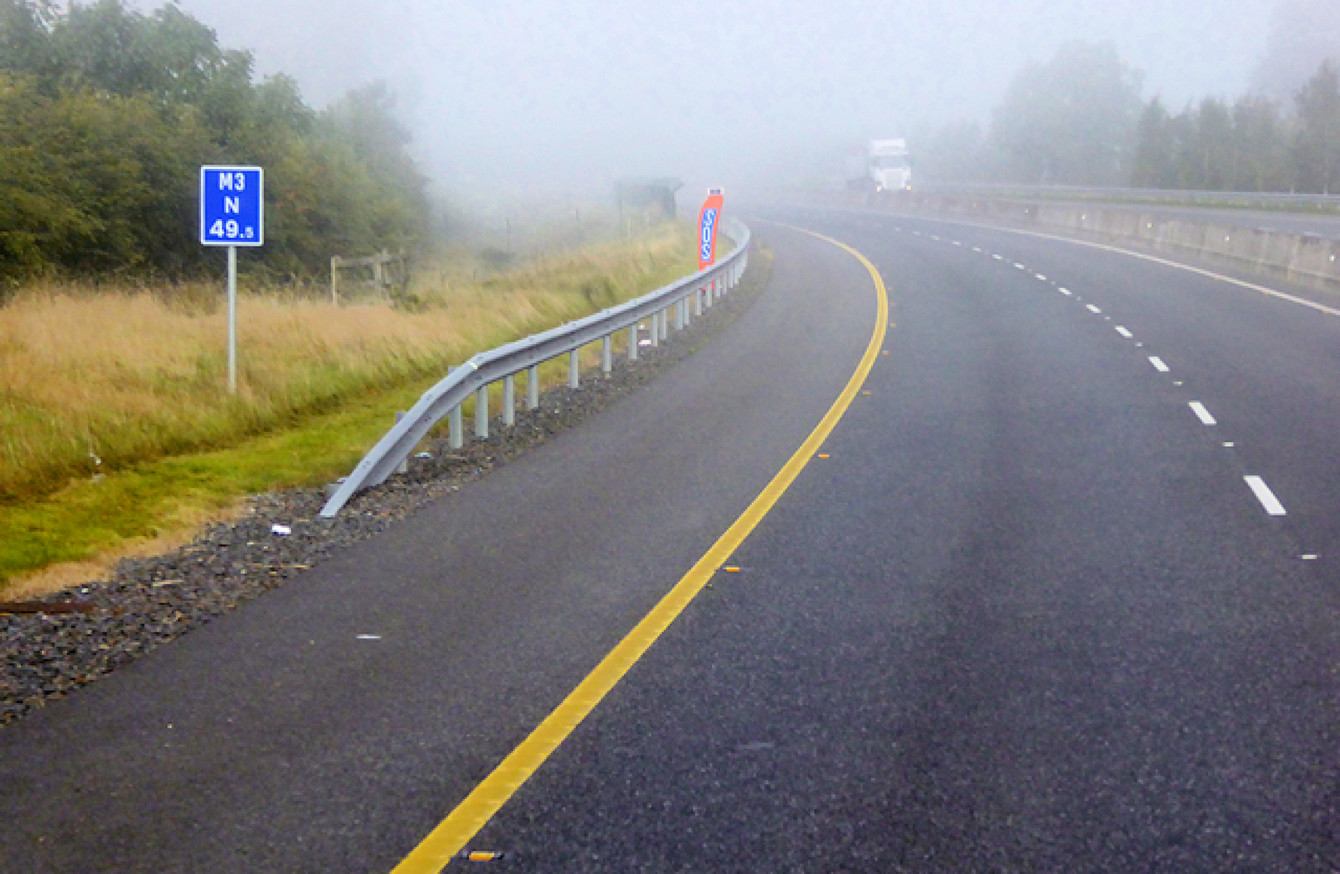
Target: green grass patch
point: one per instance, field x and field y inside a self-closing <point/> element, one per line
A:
<point x="316" y="396"/>
<point x="89" y="517"/>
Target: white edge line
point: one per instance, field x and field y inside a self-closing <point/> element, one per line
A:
<point x="1158" y="364"/>
<point x="1265" y="495"/>
<point x="1210" y="274"/>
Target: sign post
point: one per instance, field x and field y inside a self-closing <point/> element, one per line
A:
<point x="232" y="214"/>
<point x="708" y="219"/>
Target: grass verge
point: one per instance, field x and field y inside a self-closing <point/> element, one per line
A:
<point x="309" y="425"/>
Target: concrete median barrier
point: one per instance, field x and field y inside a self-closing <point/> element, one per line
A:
<point x="1303" y="259"/>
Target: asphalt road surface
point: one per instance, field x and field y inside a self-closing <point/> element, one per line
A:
<point x="1058" y="593"/>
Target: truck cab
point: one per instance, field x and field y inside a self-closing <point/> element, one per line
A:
<point x="889" y="165"/>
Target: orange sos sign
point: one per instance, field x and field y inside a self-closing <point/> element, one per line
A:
<point x="709" y="217"/>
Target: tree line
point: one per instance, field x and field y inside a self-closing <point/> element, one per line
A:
<point x="1080" y="120"/>
<point x="1253" y="145"/>
<point x="106" y="115"/>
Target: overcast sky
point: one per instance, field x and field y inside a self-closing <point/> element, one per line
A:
<point x="568" y="95"/>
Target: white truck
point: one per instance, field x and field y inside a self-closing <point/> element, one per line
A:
<point x="881" y="166"/>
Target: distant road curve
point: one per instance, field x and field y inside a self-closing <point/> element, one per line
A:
<point x="1265" y="211"/>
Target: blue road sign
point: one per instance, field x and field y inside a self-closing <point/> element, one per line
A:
<point x="232" y="206"/>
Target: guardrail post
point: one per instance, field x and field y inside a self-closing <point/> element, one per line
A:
<point x="404" y="465"/>
<point x="445" y="400"/>
<point x="482" y="413"/>
<point x="455" y="428"/>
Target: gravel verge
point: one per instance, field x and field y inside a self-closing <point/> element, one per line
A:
<point x="151" y="601"/>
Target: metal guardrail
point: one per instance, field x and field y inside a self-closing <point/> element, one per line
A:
<point x="474" y="377"/>
<point x="1141" y="195"/>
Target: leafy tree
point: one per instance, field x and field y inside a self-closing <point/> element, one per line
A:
<point x="1260" y="142"/>
<point x="1317" y="152"/>
<point x="1070" y="120"/>
<point x="1153" y="162"/>
<point x="106" y="114"/>
<point x="1209" y="149"/>
<point x="365" y="120"/>
<point x="1212" y="147"/>
<point x="25" y="39"/>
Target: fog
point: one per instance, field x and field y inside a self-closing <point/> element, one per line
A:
<point x="555" y="96"/>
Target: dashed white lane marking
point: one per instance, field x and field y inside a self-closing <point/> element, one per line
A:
<point x="369" y="637"/>
<point x="998" y="257"/>
<point x="1201" y="413"/>
<point x="1040" y="277"/>
<point x="1093" y="309"/>
<point x="1270" y="292"/>
<point x="957" y="243"/>
<point x="1158" y="364"/>
<point x="1123" y="332"/>
<point x="1065" y="291"/>
<point x="1263" y="494"/>
<point x="1018" y="266"/>
<point x="977" y="249"/>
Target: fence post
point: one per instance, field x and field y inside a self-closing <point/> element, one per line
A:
<point x="574" y="369"/>
<point x="335" y="279"/>
<point x="606" y="354"/>
<point x="533" y="387"/>
<point x="509" y="400"/>
<point x="632" y="343"/>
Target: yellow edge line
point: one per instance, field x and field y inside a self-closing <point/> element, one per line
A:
<point x="449" y="838"/>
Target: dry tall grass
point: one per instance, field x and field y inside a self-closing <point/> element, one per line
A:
<point x="93" y="381"/>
